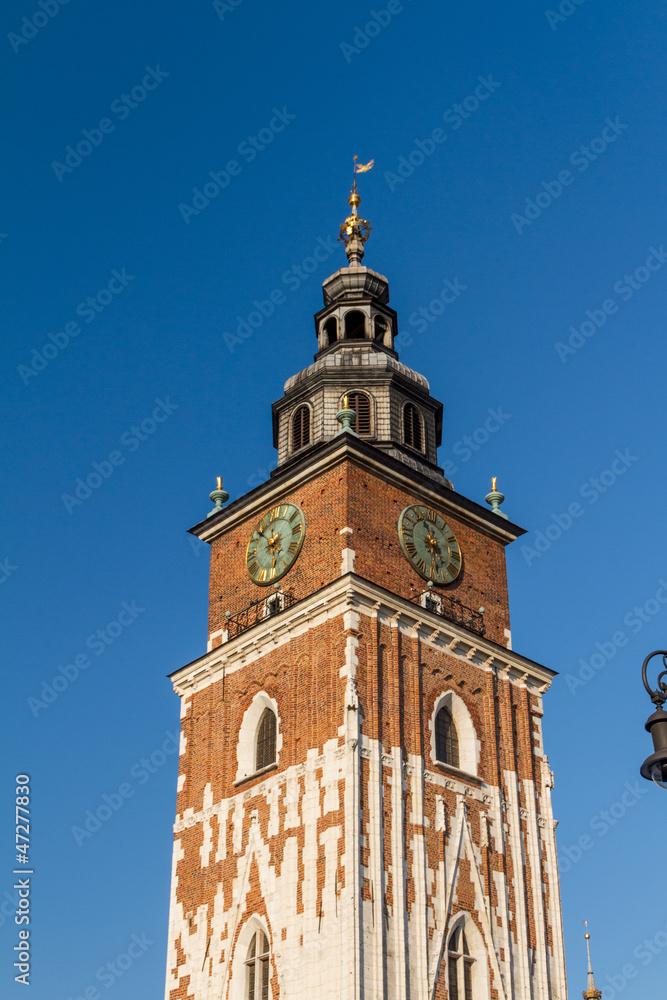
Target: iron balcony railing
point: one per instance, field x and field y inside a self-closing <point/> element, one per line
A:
<point x="440" y="604"/>
<point x="258" y="611"/>
<point x="453" y="609"/>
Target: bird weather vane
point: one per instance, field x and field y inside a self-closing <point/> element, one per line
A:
<point x="355" y="231"/>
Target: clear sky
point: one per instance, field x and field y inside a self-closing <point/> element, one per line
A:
<point x="541" y="199"/>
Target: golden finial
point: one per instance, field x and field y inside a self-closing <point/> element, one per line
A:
<point x="355" y="231"/>
<point x="219" y="496"/>
<point x="495" y="498"/>
<point x="345" y="406"/>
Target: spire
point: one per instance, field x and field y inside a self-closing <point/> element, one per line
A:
<point x="592" y="992"/>
<point x="355" y="231"/>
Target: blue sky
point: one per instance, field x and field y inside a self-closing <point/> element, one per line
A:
<point x="542" y="200"/>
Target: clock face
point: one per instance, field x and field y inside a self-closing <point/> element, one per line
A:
<point x="275" y="543"/>
<point x="428" y="544"/>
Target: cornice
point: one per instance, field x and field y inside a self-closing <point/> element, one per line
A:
<point x="352" y="593"/>
<point x="351" y="448"/>
<point x="371" y="362"/>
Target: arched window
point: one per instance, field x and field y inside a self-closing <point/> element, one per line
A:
<point x="265" y="752"/>
<point x="355" y="325"/>
<point x="252" y="752"/>
<point x="301" y="427"/>
<point x="257" y="968"/>
<point x="330" y="329"/>
<point x="446" y="738"/>
<point x="361" y="404"/>
<point x="460" y="967"/>
<point x="412" y="427"/>
<point x="380" y="327"/>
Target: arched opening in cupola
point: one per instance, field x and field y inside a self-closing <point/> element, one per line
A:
<point x="330" y="331"/>
<point x="355" y="325"/>
<point x="380" y="327"/>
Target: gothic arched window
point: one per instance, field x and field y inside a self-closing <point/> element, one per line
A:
<point x="412" y="427"/>
<point x="361" y="404"/>
<point x="257" y="968"/>
<point x="460" y="965"/>
<point x="265" y="751"/>
<point x="301" y="427"/>
<point x="355" y="325"/>
<point x="446" y="738"/>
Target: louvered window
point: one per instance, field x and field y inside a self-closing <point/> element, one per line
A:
<point x="446" y="738"/>
<point x="460" y="972"/>
<point x="266" y="740"/>
<point x="412" y="427"/>
<point x="361" y="404"/>
<point x="301" y="427"/>
<point x="257" y="967"/>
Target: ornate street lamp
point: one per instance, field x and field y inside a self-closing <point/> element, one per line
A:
<point x="654" y="767"/>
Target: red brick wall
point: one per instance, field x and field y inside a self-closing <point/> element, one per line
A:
<point x="348" y="496"/>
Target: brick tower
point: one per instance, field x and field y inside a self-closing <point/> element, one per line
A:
<point x="364" y="802"/>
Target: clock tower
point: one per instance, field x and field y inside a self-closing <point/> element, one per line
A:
<point x="364" y="801"/>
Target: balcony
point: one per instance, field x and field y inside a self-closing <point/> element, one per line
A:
<point x="266" y="607"/>
<point x="258" y="611"/>
<point x="452" y="609"/>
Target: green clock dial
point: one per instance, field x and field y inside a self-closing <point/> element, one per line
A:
<point x="429" y="544"/>
<point x="275" y="543"/>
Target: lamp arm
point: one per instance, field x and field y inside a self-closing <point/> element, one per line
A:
<point x="659" y="696"/>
